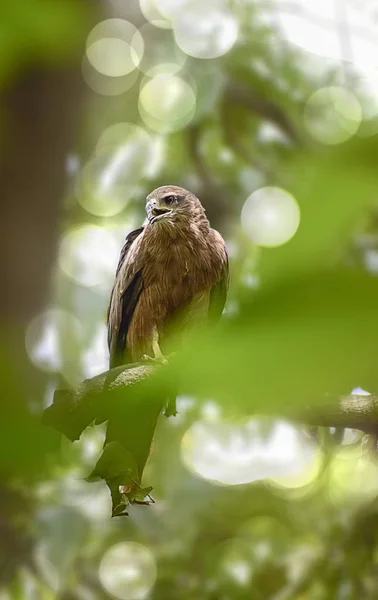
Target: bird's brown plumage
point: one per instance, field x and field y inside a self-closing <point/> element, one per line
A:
<point x="172" y="273"/>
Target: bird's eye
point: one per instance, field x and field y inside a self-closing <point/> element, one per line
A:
<point x="170" y="199"/>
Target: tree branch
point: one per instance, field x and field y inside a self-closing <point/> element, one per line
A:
<point x="73" y="411"/>
<point x="239" y="94"/>
<point x="131" y="397"/>
<point x="352" y="411"/>
<point x="211" y="191"/>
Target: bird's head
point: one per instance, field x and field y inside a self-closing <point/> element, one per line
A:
<point x="172" y="204"/>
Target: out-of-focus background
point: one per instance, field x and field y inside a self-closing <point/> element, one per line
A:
<point x="268" y="111"/>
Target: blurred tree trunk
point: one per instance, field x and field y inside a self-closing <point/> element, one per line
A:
<point x="40" y="111"/>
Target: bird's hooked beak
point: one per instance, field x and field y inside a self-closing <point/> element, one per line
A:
<point x="156" y="211"/>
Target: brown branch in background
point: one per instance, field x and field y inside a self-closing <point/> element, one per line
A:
<point x="240" y="94"/>
<point x="243" y="151"/>
<point x="211" y="192"/>
<point x="215" y="197"/>
<point x="194" y="147"/>
<point x="351" y="411"/>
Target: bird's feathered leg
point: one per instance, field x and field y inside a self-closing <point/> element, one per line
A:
<point x="158" y="356"/>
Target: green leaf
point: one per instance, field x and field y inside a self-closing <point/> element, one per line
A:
<point x="334" y="188"/>
<point x="290" y="344"/>
<point x="115" y="463"/>
<point x="118" y="468"/>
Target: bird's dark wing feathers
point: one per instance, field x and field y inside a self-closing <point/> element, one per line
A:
<point x="117" y="339"/>
<point x="218" y="295"/>
<point x="126" y="247"/>
<point x="129" y="301"/>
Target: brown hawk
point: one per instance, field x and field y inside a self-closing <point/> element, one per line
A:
<point x="172" y="273"/>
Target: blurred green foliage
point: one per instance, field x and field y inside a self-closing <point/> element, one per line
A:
<point x="40" y="31"/>
<point x="304" y="327"/>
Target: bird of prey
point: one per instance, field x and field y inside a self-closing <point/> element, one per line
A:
<point x="172" y="273"/>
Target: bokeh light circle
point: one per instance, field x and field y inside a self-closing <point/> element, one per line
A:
<point x="205" y="29"/>
<point x="128" y="571"/>
<point x="161" y="54"/>
<point x="96" y="356"/>
<point x="234" y="454"/>
<point x="114" y="47"/>
<point x="332" y="115"/>
<point x="88" y="254"/>
<point x="270" y="216"/>
<point x="108" y="57"/>
<point x="308" y="34"/>
<point x="111" y="176"/>
<point x="151" y="12"/>
<point x="170" y="8"/>
<point x="352" y="476"/>
<point x="120" y="134"/>
<point x="167" y="97"/>
<point x="166" y="103"/>
<point x="46" y="337"/>
<point x="317" y="27"/>
<point x="105" y="85"/>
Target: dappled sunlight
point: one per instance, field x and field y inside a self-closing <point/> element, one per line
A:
<point x="48" y="339"/>
<point x="106" y="85"/>
<point x="314" y="27"/>
<point x="114" y="47"/>
<point x="95" y="357"/>
<point x="89" y="254"/>
<point x="306" y="32"/>
<point x="128" y="571"/>
<point x="170" y="8"/>
<point x="166" y="103"/>
<point x="102" y="189"/>
<point x="152" y="14"/>
<point x="205" y="30"/>
<point x="161" y="55"/>
<point x="270" y="216"/>
<point x="239" y="570"/>
<point x="120" y="135"/>
<point x="101" y="55"/>
<point x="53" y="555"/>
<point x="259" y="449"/>
<point x="353" y="475"/>
<point x="111" y="176"/>
<point x="332" y="115"/>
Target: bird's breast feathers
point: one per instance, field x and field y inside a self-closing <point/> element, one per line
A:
<point x="178" y="274"/>
<point x="184" y="266"/>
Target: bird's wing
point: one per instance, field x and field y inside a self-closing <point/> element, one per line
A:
<point x="218" y="293"/>
<point x="130" y="238"/>
<point x="123" y="300"/>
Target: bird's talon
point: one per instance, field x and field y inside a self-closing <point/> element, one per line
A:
<point x="160" y="360"/>
<point x="147" y="358"/>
